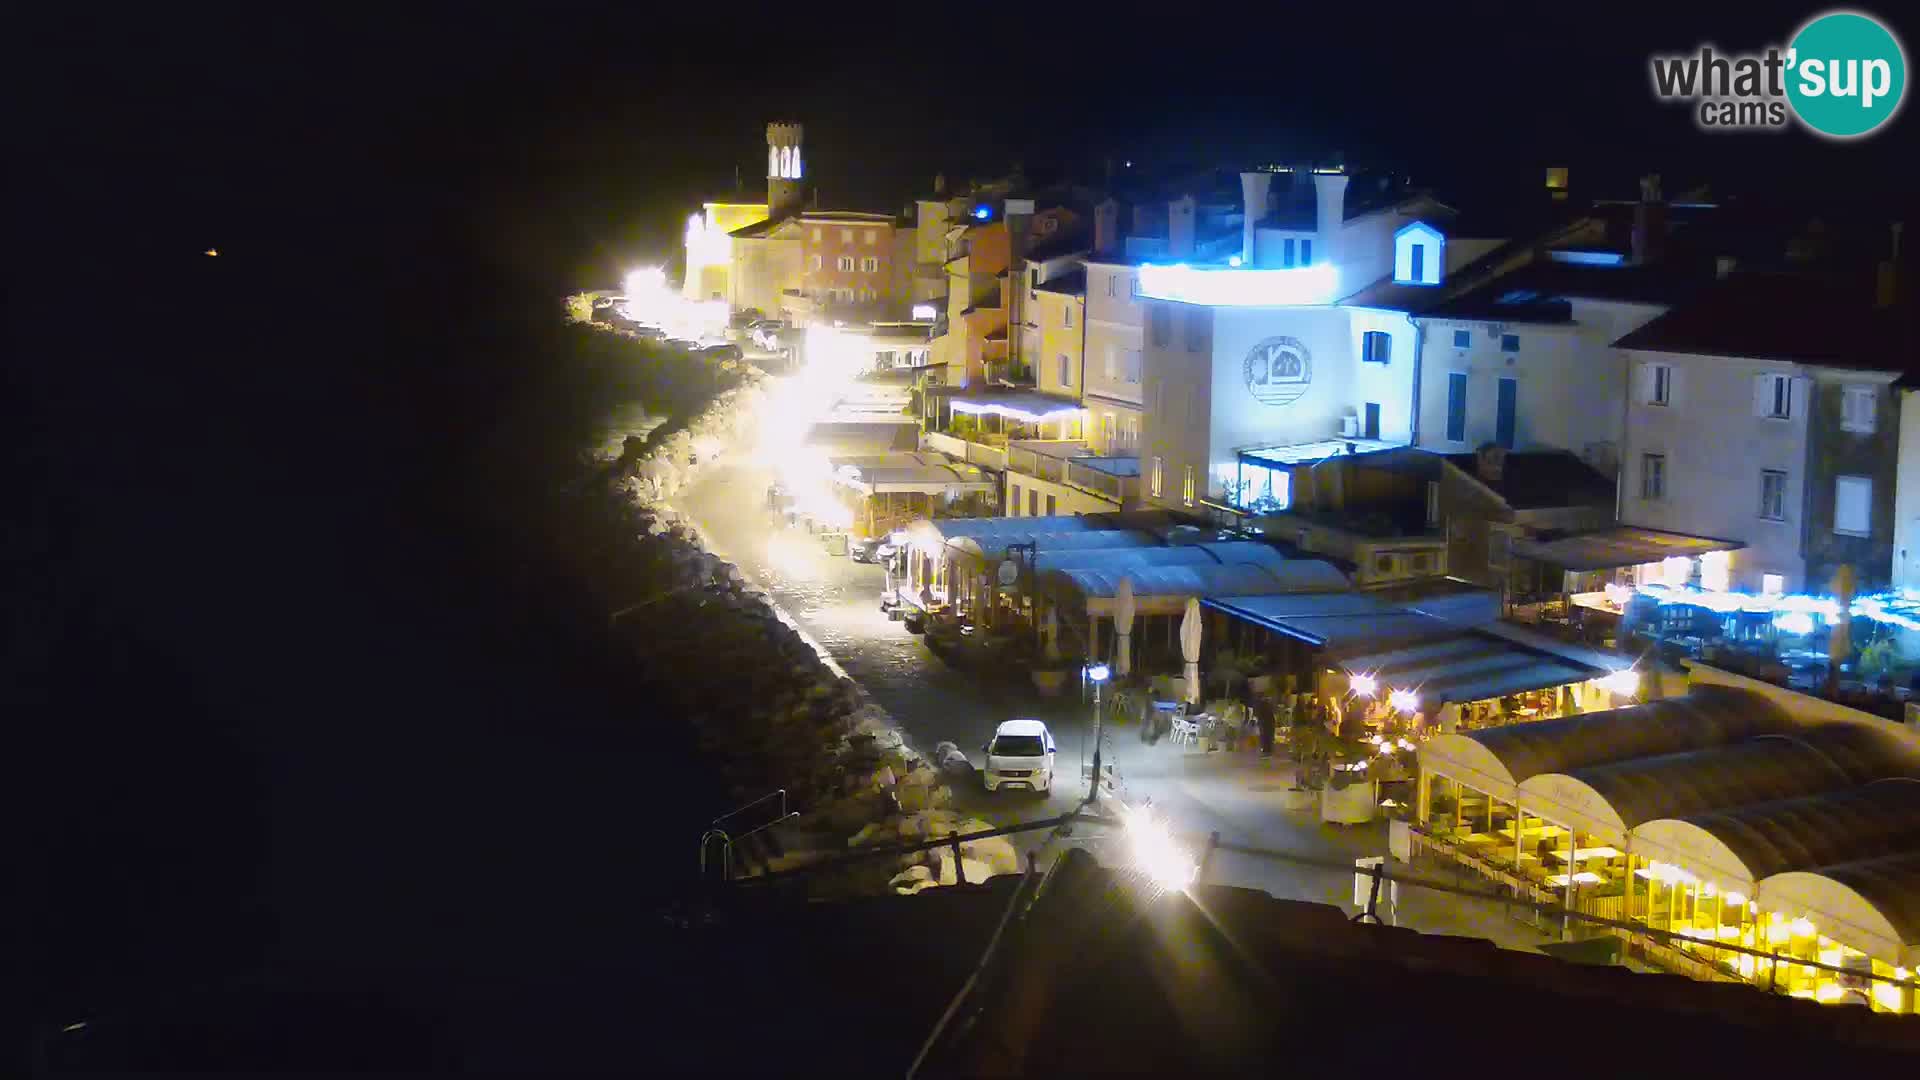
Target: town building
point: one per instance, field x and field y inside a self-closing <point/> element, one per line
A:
<point x="1763" y="412"/>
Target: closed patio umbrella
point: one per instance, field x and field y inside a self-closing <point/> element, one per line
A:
<point x="1190" y="647"/>
<point x="1123" y="627"/>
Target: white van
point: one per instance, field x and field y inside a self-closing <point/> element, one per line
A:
<point x="1020" y="755"/>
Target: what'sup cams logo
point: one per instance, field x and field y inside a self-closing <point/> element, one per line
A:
<point x="1843" y="75"/>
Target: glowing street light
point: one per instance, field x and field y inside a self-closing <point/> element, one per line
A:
<point x="1096" y="674"/>
<point x="1364" y="685"/>
<point x="1405" y="701"/>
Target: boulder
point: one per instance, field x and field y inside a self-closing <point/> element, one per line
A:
<point x="912" y="880"/>
<point x="951" y="762"/>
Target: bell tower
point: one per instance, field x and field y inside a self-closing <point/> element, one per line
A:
<point x="785" y="170"/>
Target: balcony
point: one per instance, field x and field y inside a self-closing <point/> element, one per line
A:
<point x="973" y="453"/>
<point x="1067" y="462"/>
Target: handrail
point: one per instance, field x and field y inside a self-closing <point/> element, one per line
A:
<point x="780" y="793"/>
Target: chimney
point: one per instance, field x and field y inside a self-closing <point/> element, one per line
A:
<point x="1019" y="217"/>
<point x="1253" y="198"/>
<point x="1724" y="265"/>
<point x="1490" y="463"/>
<point x="1649" y="221"/>
<point x="1887" y="280"/>
<point x="1106" y="227"/>
<point x="1329" y="214"/>
<point x="1180" y="227"/>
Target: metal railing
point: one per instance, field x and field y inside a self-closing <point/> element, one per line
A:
<point x="1636" y="933"/>
<point x="720" y="840"/>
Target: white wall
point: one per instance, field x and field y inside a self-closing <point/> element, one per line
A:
<point x="1906" y="498"/>
<point x="1388" y="385"/>
<point x="1716" y="448"/>
<point x="1208" y="411"/>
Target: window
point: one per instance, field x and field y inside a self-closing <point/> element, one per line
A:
<point x="816" y="234"/>
<point x="1376" y="347"/>
<point x="1286" y="252"/>
<point x="1306" y="251"/>
<point x="1162" y="320"/>
<point x="1370" y="423"/>
<point x="846" y="236"/>
<point x="1066" y="316"/>
<point x="1773" y="494"/>
<point x="1112" y="281"/>
<point x="1196" y="329"/>
<point x="1509" y="342"/>
<point x="813" y="262"/>
<point x="1052" y="507"/>
<point x="1033" y="502"/>
<point x="1013" y="503"/>
<point x="1856" y="409"/>
<point x="1773" y="397"/>
<point x="1417" y="259"/>
<point x="1457" y="406"/>
<point x="1106" y="429"/>
<point x="1433" y="504"/>
<point x="1422" y="562"/>
<point x="869" y="236"/>
<point x="1853" y="505"/>
<point x="1066" y="370"/>
<point x="844" y="263"/>
<point x="1159" y="468"/>
<point x="1463" y="339"/>
<point x="1659" y="384"/>
<point x="1133" y="365"/>
<point x="1130" y="429"/>
<point x="1186" y="488"/>
<point x="1383" y="564"/>
<point x="1653" y="476"/>
<point x="1133" y="287"/>
<point x="870" y="264"/>
<point x="1110" y="362"/>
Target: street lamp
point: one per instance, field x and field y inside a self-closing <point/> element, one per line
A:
<point x="1096" y="674"/>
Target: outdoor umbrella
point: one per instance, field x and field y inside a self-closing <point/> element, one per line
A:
<point x="1190" y="647"/>
<point x="1123" y="627"/>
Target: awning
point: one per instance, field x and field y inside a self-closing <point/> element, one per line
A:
<point x="927" y="474"/>
<point x="1621" y="546"/>
<point x="1025" y="406"/>
<point x="1469" y="666"/>
<point x="1165" y="589"/>
<point x="1336" y="621"/>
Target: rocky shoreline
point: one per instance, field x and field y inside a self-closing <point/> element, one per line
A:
<point x="769" y="710"/>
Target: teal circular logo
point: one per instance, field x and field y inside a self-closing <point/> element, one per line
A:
<point x="1846" y="74"/>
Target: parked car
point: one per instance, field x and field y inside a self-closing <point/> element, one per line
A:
<point x="1020" y="755"/>
<point x="866" y="550"/>
<point x="725" y="351"/>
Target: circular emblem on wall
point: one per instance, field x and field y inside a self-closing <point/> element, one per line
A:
<point x="1278" y="371"/>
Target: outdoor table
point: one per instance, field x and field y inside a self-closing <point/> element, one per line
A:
<point x="1532" y="830"/>
<point x="1584" y="877"/>
<point x="1582" y="854"/>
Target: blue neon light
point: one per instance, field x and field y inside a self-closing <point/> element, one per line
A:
<point x="982" y="212"/>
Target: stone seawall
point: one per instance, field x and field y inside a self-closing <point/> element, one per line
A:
<point x="770" y="708"/>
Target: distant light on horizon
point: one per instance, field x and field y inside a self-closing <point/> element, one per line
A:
<point x="210" y="252"/>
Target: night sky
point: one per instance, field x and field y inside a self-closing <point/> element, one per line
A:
<point x="257" y="650"/>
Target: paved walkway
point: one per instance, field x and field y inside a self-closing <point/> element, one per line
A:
<point x="1238" y="794"/>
